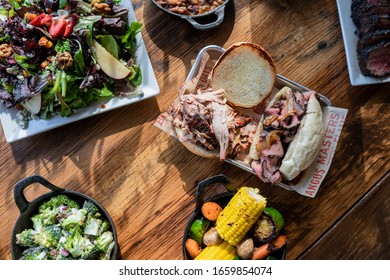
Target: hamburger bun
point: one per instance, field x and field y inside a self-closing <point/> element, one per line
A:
<point x="246" y="72"/>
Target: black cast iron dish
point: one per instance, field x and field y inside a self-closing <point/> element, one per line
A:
<point x="222" y="199"/>
<point x="28" y="209"/>
<point x="219" y="12"/>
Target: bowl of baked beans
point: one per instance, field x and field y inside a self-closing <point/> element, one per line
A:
<point x="191" y="10"/>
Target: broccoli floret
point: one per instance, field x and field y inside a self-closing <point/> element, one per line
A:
<point x="107" y="255"/>
<point x="26" y="238"/>
<point x="57" y="201"/>
<point x="37" y="222"/>
<point x="35" y="253"/>
<point x="92" y="226"/>
<point x="92" y="253"/>
<point x="91" y="209"/>
<point x="105" y="225"/>
<point x="77" y="244"/>
<point x="76" y="217"/>
<point x="43" y="219"/>
<point x="64" y="258"/>
<point x="104" y="240"/>
<point x="49" y="236"/>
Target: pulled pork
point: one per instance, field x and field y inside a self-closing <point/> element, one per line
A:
<point x="206" y="120"/>
<point x="280" y="124"/>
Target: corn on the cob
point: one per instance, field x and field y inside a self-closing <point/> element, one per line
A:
<point x="240" y="214"/>
<point x="222" y="251"/>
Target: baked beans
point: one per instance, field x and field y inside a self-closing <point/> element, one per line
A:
<point x="190" y="7"/>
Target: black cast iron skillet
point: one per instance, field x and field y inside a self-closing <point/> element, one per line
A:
<point x="219" y="12"/>
<point x="222" y="199"/>
<point x="29" y="208"/>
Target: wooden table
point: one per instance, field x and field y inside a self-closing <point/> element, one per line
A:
<point x="146" y="179"/>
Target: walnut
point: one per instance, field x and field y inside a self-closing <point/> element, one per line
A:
<point x="103" y="8"/>
<point x="64" y="60"/>
<point x="44" y="42"/>
<point x="30" y="16"/>
<point x="5" y="51"/>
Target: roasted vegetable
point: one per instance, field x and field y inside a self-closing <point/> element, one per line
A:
<point x="240" y="214"/>
<point x="211" y="210"/>
<point x="193" y="248"/>
<point x="245" y="249"/>
<point x="198" y="229"/>
<point x="276" y="216"/>
<point x="268" y="226"/>
<point x="268" y="248"/>
<point x="223" y="251"/>
<point x="264" y="229"/>
<point x="211" y="237"/>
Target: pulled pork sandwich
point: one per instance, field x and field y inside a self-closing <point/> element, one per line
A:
<point x="205" y="124"/>
<point x="288" y="137"/>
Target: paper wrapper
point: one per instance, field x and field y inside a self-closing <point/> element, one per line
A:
<point x="333" y="119"/>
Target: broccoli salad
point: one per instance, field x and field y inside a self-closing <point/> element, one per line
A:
<point x="62" y="230"/>
<point x="57" y="56"/>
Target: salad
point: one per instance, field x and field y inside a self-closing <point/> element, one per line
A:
<point x="57" y="56"/>
<point x="62" y="230"/>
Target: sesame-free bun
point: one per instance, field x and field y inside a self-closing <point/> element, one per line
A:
<point x="246" y="72"/>
<point x="306" y="144"/>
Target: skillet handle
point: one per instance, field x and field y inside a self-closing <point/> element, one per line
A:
<point x="210" y="181"/>
<point x="19" y="197"/>
<point x="204" y="27"/>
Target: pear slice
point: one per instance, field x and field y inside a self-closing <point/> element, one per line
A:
<point x="108" y="63"/>
<point x="33" y="105"/>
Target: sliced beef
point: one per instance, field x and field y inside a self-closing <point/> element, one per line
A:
<point x="373" y="38"/>
<point x="372" y="23"/>
<point x="366" y="9"/>
<point x="372" y="19"/>
<point x="375" y="60"/>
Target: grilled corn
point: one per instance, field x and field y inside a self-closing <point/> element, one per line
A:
<point x="240" y="214"/>
<point x="222" y="251"/>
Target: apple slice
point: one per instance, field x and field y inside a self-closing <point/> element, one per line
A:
<point x="33" y="105"/>
<point x="108" y="63"/>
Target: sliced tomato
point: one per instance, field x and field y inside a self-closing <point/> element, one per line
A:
<point x="57" y="27"/>
<point x="38" y="20"/>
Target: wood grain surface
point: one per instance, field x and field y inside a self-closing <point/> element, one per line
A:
<point x="146" y="179"/>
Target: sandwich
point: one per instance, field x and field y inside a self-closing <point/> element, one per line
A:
<point x="288" y="137"/>
<point x="205" y="122"/>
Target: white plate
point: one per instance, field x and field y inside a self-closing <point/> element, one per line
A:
<point x="348" y="29"/>
<point x="13" y="132"/>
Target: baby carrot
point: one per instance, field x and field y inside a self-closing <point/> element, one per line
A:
<point x="193" y="248"/>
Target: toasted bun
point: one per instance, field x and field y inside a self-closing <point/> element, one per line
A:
<point x="195" y="148"/>
<point x="246" y="72"/>
<point x="306" y="144"/>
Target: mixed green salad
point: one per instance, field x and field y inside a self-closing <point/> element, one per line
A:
<point x="62" y="230"/>
<point x="60" y="55"/>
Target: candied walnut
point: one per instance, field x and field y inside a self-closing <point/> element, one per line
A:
<point x="64" y="60"/>
<point x="5" y="51"/>
<point x="103" y="8"/>
<point x="30" y="16"/>
<point x="44" y="42"/>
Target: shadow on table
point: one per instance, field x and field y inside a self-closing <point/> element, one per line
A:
<point x="176" y="37"/>
<point x="82" y="140"/>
